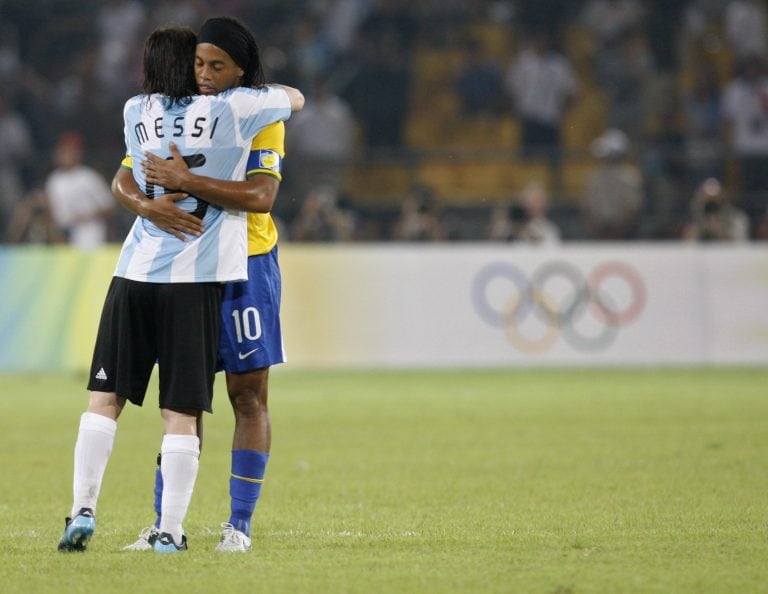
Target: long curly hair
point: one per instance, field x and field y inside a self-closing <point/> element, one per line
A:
<point x="169" y="64"/>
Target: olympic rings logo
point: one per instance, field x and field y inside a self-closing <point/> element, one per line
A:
<point x="558" y="300"/>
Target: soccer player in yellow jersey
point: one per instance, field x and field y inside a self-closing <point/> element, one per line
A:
<point x="251" y="339"/>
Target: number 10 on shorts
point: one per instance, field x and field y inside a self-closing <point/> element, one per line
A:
<point x="247" y="324"/>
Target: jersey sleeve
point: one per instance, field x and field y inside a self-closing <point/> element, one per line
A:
<point x="258" y="108"/>
<point x="127" y="163"/>
<point x="267" y="152"/>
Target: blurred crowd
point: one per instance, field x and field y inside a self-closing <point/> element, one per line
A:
<point x="663" y="106"/>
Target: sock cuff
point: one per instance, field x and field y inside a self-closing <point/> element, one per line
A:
<point x="180" y="444"/>
<point x="249" y="465"/>
<point x="96" y="422"/>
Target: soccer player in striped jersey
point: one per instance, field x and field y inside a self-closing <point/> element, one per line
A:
<point x="251" y="339"/>
<point x="164" y="302"/>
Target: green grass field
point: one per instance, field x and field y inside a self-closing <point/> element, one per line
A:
<point x="505" y="481"/>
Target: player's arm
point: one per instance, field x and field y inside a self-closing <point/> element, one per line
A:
<point x="294" y="96"/>
<point x="257" y="194"/>
<point x="162" y="211"/>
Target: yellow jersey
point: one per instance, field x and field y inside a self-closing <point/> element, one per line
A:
<point x="267" y="152"/>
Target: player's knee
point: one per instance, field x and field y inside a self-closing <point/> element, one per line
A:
<point x="249" y="400"/>
<point x="248" y="393"/>
<point x="107" y="404"/>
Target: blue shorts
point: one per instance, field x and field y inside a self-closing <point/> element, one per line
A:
<point x="250" y="318"/>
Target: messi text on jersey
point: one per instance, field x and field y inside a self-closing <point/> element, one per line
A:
<point x="199" y="126"/>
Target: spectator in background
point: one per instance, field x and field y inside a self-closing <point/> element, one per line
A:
<point x="703" y="125"/>
<point x="10" y="56"/>
<point x="745" y="25"/>
<point x="80" y="199"/>
<point x="120" y="25"/>
<point x="609" y="20"/>
<point x="701" y="17"/>
<point x="526" y="220"/>
<point x="502" y="222"/>
<point x="323" y="217"/>
<point x="442" y="22"/>
<point x="342" y="21"/>
<point x="479" y="82"/>
<point x="624" y="72"/>
<point x="311" y="51"/>
<point x="420" y="217"/>
<point x="537" y="228"/>
<point x="542" y="85"/>
<point x="551" y="15"/>
<point x="390" y="18"/>
<point x="665" y="172"/>
<point x="745" y="107"/>
<point x="379" y="89"/>
<point x="613" y="195"/>
<point x="322" y="138"/>
<point x="183" y="12"/>
<point x="713" y="217"/>
<point x="31" y="221"/>
<point x="662" y="24"/>
<point x="15" y="147"/>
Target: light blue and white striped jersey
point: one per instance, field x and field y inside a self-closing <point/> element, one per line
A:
<point x="214" y="135"/>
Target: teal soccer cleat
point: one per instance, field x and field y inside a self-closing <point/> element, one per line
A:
<point x="166" y="544"/>
<point x="78" y="531"/>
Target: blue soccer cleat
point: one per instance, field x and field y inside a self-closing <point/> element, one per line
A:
<point x="78" y="531"/>
<point x="166" y="544"/>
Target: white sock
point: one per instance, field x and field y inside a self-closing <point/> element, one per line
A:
<point x="92" y="450"/>
<point x="179" y="463"/>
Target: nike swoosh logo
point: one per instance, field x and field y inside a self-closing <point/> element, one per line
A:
<point x="242" y="356"/>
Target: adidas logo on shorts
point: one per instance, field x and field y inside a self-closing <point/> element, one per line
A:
<point x="101" y="375"/>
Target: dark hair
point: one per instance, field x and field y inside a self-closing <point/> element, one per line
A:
<point x="169" y="64"/>
<point x="233" y="37"/>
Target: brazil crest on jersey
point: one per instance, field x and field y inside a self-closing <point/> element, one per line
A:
<point x="213" y="133"/>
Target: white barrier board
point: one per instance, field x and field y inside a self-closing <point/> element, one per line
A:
<point x="482" y="305"/>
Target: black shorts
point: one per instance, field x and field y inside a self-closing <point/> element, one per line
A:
<point x="173" y="324"/>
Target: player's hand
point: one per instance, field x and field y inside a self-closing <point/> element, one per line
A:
<point x="164" y="213"/>
<point x="168" y="173"/>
